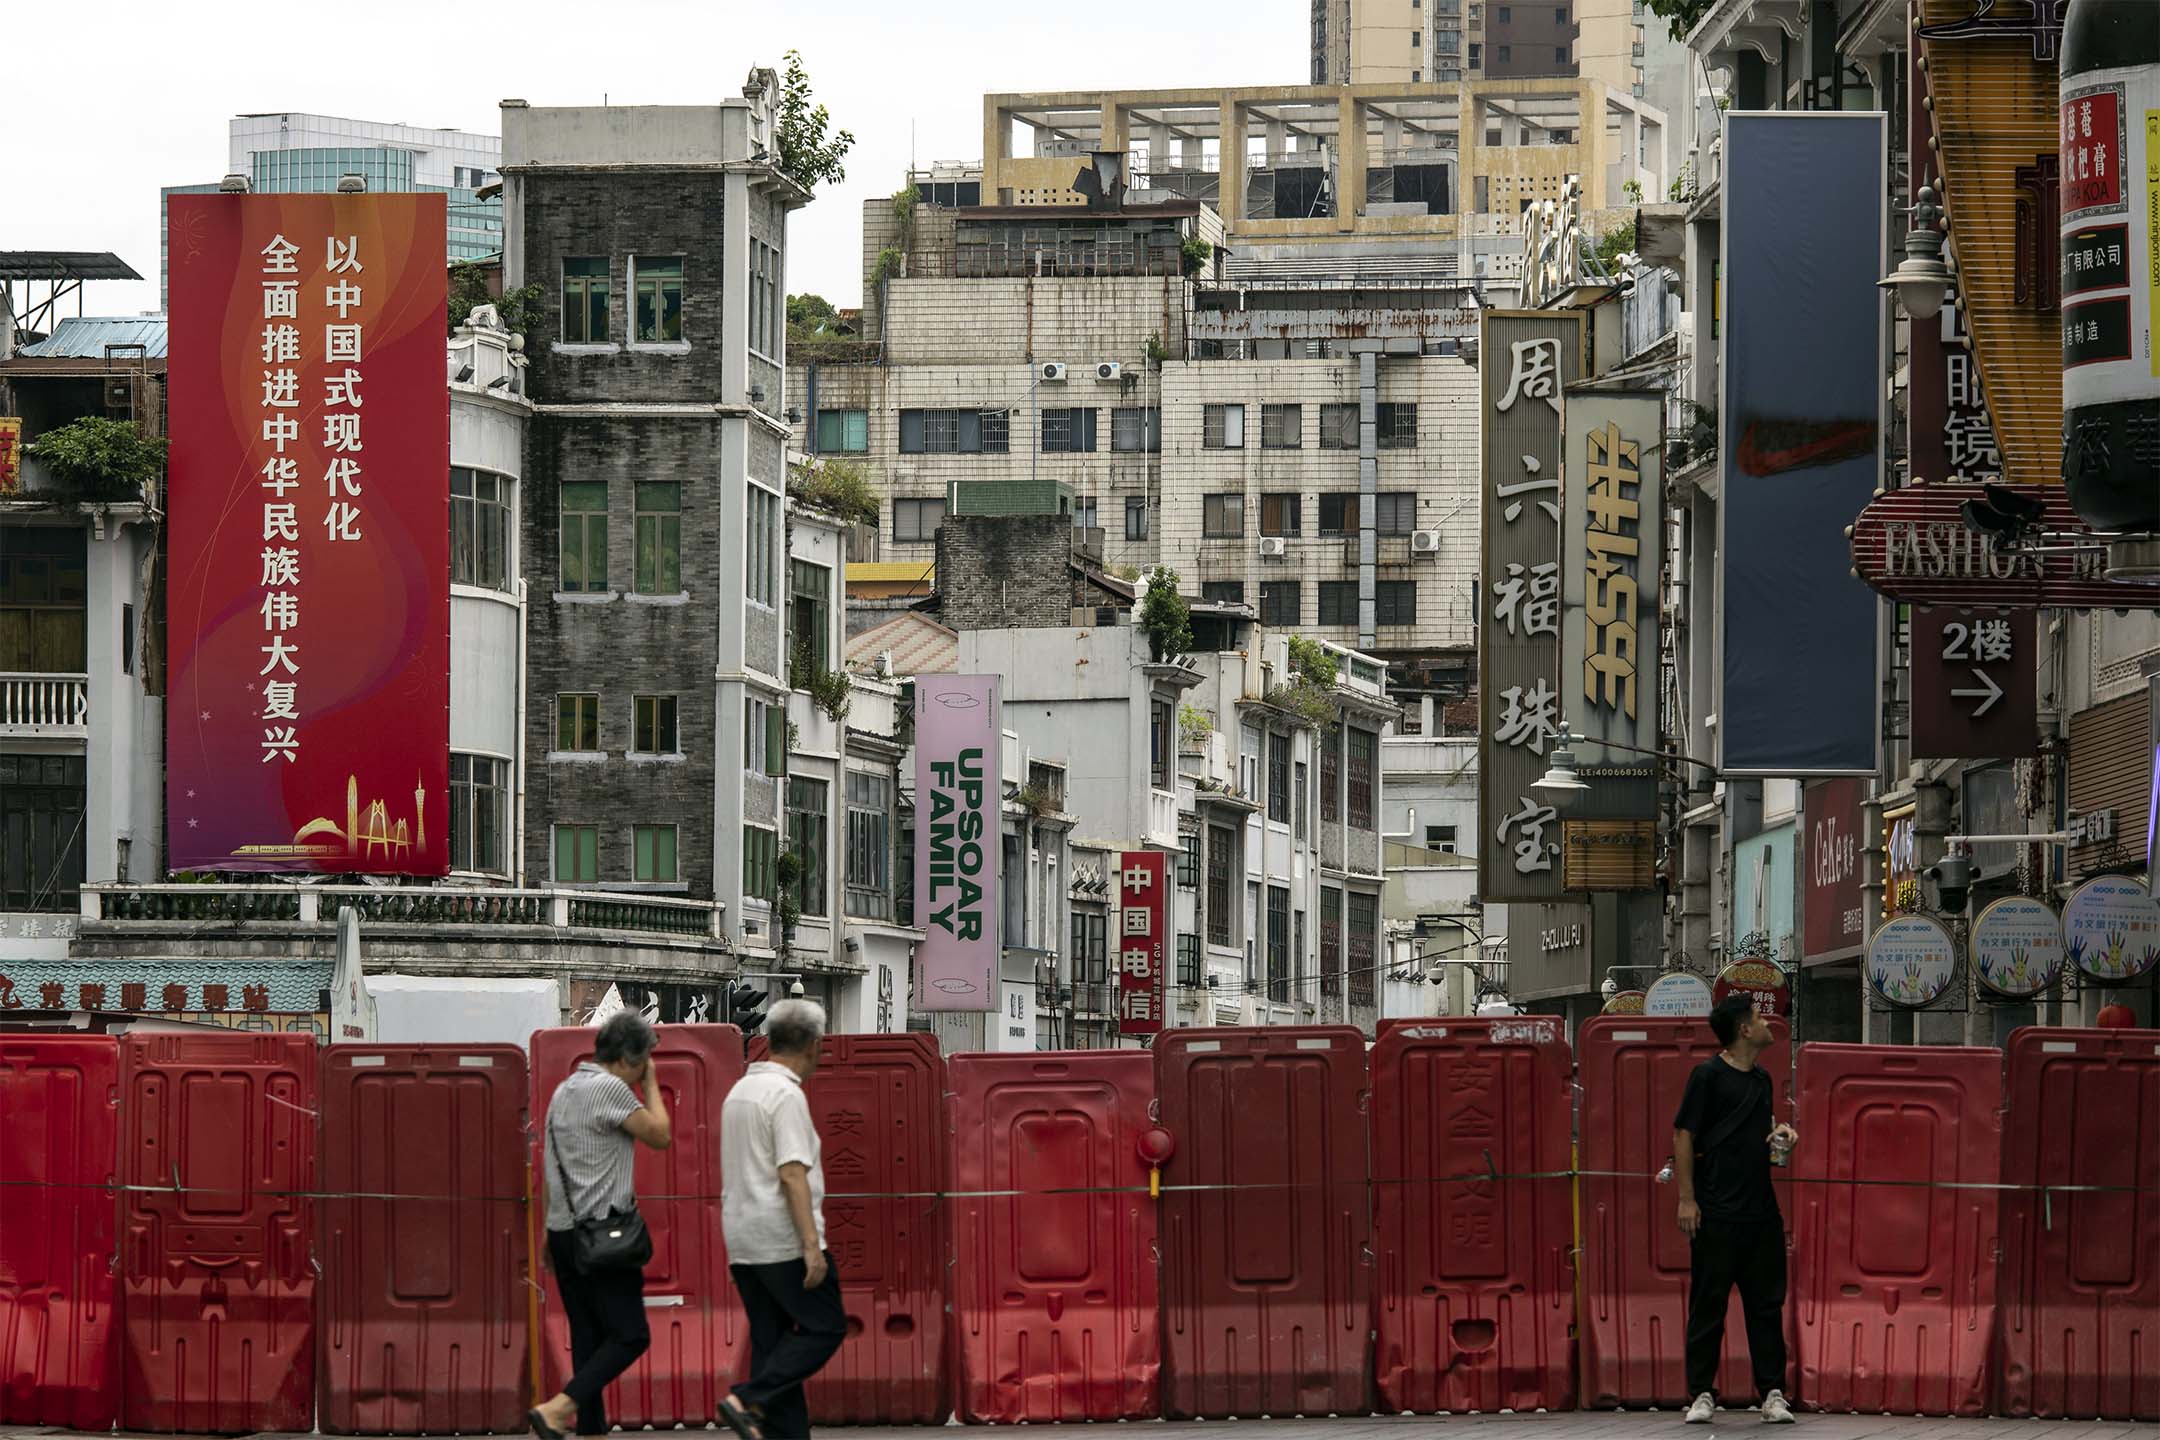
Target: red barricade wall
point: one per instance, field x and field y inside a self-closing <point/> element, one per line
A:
<point x="1633" y="1321"/>
<point x="1267" y="1296"/>
<point x="699" y="1336"/>
<point x="217" y="1280"/>
<point x="423" y="1301"/>
<point x="59" y="1145"/>
<point x="2081" y="1273"/>
<point x="878" y="1101"/>
<point x="1895" y="1282"/>
<point x="1054" y="1296"/>
<point x="1475" y="1293"/>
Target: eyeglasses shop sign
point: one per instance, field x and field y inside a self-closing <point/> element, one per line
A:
<point x="958" y="770"/>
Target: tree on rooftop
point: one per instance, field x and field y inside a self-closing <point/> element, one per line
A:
<point x="811" y="151"/>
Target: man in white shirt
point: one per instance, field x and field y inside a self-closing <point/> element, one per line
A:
<point x="772" y="1212"/>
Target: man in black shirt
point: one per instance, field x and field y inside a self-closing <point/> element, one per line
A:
<point x="1723" y="1139"/>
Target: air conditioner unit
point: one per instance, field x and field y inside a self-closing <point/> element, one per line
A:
<point x="1053" y="370"/>
<point x="1271" y="546"/>
<point x="1108" y="370"/>
<point x="1424" y="542"/>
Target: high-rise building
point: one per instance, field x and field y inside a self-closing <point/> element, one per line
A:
<point x="290" y="154"/>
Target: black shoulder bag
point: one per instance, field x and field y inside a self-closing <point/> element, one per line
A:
<point x="617" y="1240"/>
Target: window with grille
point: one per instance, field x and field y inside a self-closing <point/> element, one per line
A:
<point x="1278" y="778"/>
<point x="1362" y="746"/>
<point x="807" y="828"/>
<point x="1363" y="927"/>
<point x="1162" y="743"/>
<point x="1281" y="514"/>
<point x="1395" y="427"/>
<point x="1223" y="592"/>
<point x="1339" y="514"/>
<point x="1136" y="428"/>
<point x="1282" y="427"/>
<point x="1222" y="427"/>
<point x="1330" y="941"/>
<point x="1300" y="801"/>
<point x="1084" y="513"/>
<point x="954" y="432"/>
<point x="1338" y="602"/>
<point x="1222" y="856"/>
<point x="1395" y="602"/>
<point x="1278" y="944"/>
<point x="1090" y="947"/>
<point x="1188" y="962"/>
<point x="1394" y="512"/>
<point x="1188" y="861"/>
<point x="1068" y="431"/>
<point x="1339" y="427"/>
<point x="869" y="845"/>
<point x="1279" y="602"/>
<point x="1330" y="777"/>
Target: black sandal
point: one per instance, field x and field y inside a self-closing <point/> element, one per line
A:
<point x="540" y="1427"/>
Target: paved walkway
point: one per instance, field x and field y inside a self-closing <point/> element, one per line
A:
<point x="1581" y="1425"/>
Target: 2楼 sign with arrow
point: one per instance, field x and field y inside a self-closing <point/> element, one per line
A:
<point x="1973" y="684"/>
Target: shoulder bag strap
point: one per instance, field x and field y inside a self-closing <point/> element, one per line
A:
<point x="547" y="1129"/>
<point x="1730" y="1125"/>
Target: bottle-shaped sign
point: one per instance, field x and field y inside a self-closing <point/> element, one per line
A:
<point x="2110" y="284"/>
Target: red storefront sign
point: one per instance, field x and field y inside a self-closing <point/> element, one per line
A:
<point x="1833" y="924"/>
<point x="1143" y="939"/>
<point x="308" y="719"/>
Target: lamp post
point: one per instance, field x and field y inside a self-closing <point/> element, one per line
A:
<point x="1921" y="281"/>
<point x="1563" y="785"/>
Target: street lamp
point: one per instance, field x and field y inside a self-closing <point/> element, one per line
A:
<point x="1563" y="785"/>
<point x="1921" y="281"/>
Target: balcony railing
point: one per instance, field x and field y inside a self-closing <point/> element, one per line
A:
<point x="407" y="905"/>
<point x="44" y="705"/>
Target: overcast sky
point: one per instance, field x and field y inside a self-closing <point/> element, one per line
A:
<point x="113" y="102"/>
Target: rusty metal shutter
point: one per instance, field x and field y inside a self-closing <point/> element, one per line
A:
<point x="2111" y="768"/>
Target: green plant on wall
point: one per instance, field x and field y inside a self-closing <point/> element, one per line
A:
<point x="904" y="201"/>
<point x="839" y="487"/>
<point x="1194" y="727"/>
<point x="787" y="909"/>
<point x="1313" y="662"/>
<point x="1155" y="351"/>
<point x="829" y="690"/>
<point x="519" y="309"/>
<point x="887" y="267"/>
<point x="1198" y="254"/>
<point x="100" y="460"/>
<point x="811" y="151"/>
<point x="1633" y="190"/>
<point x="1165" y="616"/>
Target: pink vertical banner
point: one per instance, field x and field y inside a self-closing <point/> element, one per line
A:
<point x="958" y="803"/>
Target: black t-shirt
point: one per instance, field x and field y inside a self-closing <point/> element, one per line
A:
<point x="1728" y="1111"/>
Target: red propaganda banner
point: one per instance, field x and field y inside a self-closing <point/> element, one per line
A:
<point x="308" y="606"/>
<point x="1143" y="940"/>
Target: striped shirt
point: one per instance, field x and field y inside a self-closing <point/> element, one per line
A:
<point x="588" y="1154"/>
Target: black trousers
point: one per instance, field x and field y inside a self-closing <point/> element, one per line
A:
<point x="1750" y="1254"/>
<point x="793" y="1332"/>
<point x="607" y="1329"/>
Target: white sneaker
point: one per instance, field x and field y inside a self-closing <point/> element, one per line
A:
<point x="1704" y="1410"/>
<point x="1775" y="1409"/>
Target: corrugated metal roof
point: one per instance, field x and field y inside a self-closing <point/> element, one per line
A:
<point x="85" y="337"/>
<point x="64" y="265"/>
<point x="919" y="646"/>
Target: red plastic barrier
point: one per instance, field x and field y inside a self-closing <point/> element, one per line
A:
<point x="878" y="1101"/>
<point x="2081" y="1273"/>
<point x="1267" y="1290"/>
<point x="423" y="1300"/>
<point x="1634" y="1259"/>
<point x="1475" y="1291"/>
<point x="59" y="1143"/>
<point x="1895" y="1279"/>
<point x="699" y="1335"/>
<point x="1054" y="1294"/>
<point x="217" y="1280"/>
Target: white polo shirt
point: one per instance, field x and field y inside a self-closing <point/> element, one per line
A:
<point x="766" y="1124"/>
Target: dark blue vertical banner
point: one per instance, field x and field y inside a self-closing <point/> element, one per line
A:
<point x="1803" y="440"/>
